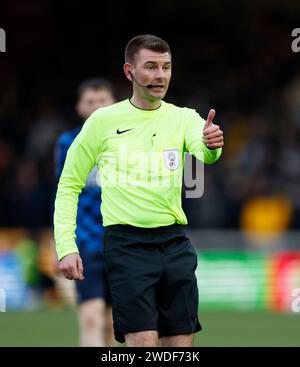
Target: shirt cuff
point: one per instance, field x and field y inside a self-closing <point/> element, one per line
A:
<point x="62" y="251"/>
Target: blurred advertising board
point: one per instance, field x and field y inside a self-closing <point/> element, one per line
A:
<point x="12" y="281"/>
<point x="247" y="280"/>
<point x="284" y="279"/>
<point x="232" y="280"/>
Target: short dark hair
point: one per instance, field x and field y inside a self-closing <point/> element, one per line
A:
<point x="148" y="41"/>
<point x="95" y="84"/>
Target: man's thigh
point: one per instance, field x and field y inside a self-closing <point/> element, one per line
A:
<point x="147" y="338"/>
<point x="186" y="340"/>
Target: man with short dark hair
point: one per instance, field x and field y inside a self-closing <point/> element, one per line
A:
<point x="94" y="311"/>
<point x="139" y="145"/>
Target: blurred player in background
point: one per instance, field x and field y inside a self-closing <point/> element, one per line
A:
<point x="95" y="314"/>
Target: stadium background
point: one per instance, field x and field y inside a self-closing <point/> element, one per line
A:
<point x="234" y="56"/>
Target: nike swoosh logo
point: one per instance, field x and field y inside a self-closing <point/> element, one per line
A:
<point x="123" y="131"/>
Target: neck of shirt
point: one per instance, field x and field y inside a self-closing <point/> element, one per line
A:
<point x="144" y="109"/>
<point x="148" y="112"/>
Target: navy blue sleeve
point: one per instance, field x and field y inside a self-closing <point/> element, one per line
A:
<point x="63" y="144"/>
<point x="60" y="152"/>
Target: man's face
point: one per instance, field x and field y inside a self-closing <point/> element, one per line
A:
<point x="151" y="68"/>
<point x="91" y="100"/>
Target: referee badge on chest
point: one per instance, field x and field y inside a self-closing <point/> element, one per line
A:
<point x="172" y="159"/>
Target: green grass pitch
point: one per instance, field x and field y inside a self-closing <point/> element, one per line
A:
<point x="220" y="328"/>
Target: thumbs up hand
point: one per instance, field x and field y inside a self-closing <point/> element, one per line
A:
<point x="212" y="134"/>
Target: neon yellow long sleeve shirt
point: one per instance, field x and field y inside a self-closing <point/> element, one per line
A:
<point x="140" y="157"/>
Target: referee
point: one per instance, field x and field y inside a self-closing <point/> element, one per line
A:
<point x="139" y="145"/>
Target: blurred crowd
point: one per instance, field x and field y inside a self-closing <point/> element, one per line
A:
<point x="249" y="74"/>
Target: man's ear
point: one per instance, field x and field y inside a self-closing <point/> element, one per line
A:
<point x="127" y="70"/>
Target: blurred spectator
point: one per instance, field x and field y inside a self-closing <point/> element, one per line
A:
<point x="27" y="200"/>
<point x="266" y="216"/>
<point x="45" y="129"/>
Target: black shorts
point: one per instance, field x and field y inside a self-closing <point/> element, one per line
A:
<point x="151" y="275"/>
